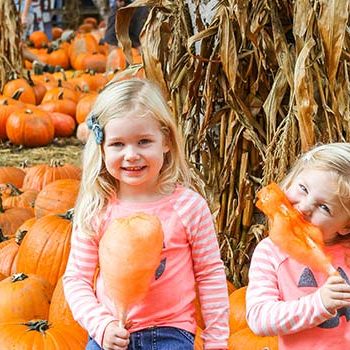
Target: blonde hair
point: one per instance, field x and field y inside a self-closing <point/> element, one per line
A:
<point x="97" y="186"/>
<point x="332" y="157"/>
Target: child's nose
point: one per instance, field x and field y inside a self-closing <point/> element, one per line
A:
<point x="131" y="153"/>
<point x="305" y="209"/>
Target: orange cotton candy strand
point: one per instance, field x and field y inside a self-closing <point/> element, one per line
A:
<point x="291" y="232"/>
<point x="129" y="254"/>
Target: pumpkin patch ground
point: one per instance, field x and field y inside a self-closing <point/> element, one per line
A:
<point x="66" y="150"/>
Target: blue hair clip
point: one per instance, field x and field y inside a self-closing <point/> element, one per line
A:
<point x="95" y="127"/>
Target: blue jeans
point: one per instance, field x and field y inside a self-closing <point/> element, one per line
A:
<point x="155" y="338"/>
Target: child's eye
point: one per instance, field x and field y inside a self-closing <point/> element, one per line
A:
<point x="144" y="141"/>
<point x="117" y="144"/>
<point x="303" y="188"/>
<point x="325" y="208"/>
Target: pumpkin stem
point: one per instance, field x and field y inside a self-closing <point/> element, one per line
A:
<point x="29" y="78"/>
<point x="2" y="237"/>
<point x="20" y="235"/>
<point x="14" y="190"/>
<point x="68" y="215"/>
<point x="17" y="94"/>
<point x="24" y="164"/>
<point x="18" y="277"/>
<point x="37" y="325"/>
<point x="60" y="95"/>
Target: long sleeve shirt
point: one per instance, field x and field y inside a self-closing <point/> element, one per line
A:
<point x="283" y="299"/>
<point x="190" y="253"/>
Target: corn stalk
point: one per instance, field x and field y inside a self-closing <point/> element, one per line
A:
<point x="10" y="34"/>
<point x="252" y="88"/>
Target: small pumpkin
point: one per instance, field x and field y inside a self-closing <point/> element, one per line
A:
<point x="38" y="39"/>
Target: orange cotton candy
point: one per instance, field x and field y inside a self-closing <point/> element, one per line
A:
<point x="129" y="255"/>
<point x="291" y="232"/>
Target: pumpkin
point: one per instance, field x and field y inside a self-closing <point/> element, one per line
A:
<point x="20" y="199"/>
<point x="64" y="124"/>
<point x="84" y="107"/>
<point x="116" y="60"/>
<point x="60" y="105"/>
<point x="245" y="339"/>
<point x="5" y="110"/>
<point x="39" y="334"/>
<point x="237" y="318"/>
<point x="24" y="297"/>
<point x="38" y="87"/>
<point x="82" y="132"/>
<point x="13" y="175"/>
<point x="59" y="311"/>
<point x="56" y="32"/>
<point x="30" y="128"/>
<point x="38" y="39"/>
<point x="27" y="95"/>
<point x="86" y="60"/>
<point x="138" y="239"/>
<point x="11" y="219"/>
<point x="45" y="248"/>
<point x="91" y="81"/>
<point x="9" y="248"/>
<point x="59" y="57"/>
<point x="56" y="197"/>
<point x="40" y="175"/>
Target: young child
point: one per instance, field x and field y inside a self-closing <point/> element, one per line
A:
<point x="305" y="308"/>
<point x="134" y="162"/>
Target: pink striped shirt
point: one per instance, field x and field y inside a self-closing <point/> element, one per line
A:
<point x="190" y="254"/>
<point x="283" y="299"/>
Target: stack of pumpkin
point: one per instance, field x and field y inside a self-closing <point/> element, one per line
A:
<point x="37" y="108"/>
<point x="35" y="233"/>
<point x="35" y="237"/>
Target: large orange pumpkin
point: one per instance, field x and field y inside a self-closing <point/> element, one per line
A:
<point x="39" y="334"/>
<point x="40" y="175"/>
<point x="24" y="297"/>
<point x="30" y="128"/>
<point x="45" y="248"/>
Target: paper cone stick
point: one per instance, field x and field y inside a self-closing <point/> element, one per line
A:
<point x="129" y="254"/>
<point x="291" y="232"/>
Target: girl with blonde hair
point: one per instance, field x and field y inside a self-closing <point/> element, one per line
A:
<point x="134" y="162"/>
<point x="306" y="308"/>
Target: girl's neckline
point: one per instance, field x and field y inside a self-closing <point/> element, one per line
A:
<point x="152" y="203"/>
